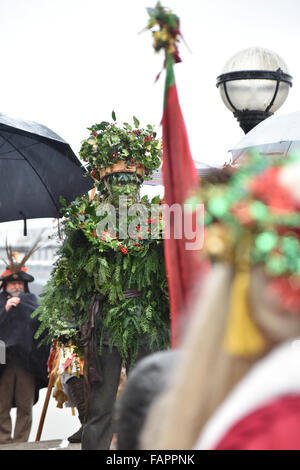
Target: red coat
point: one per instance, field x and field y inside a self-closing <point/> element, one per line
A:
<point x="262" y="412"/>
<point x="275" y="426"/>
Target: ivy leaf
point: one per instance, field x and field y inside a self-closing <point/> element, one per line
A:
<point x="90" y="266"/>
<point x="62" y="201"/>
<point x="156" y="200"/>
<point x="102" y="126"/>
<point x="127" y="126"/>
<point x="136" y="122"/>
<point x="115" y="139"/>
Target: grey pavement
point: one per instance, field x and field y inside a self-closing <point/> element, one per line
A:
<point x="57" y="444"/>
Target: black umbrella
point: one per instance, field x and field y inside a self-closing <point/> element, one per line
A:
<point x="36" y="168"/>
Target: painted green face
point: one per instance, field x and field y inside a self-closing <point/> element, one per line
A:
<point x="125" y="185"/>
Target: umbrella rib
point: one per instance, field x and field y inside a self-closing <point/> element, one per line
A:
<point x="288" y="149"/>
<point x="20" y="148"/>
<point x="5" y="140"/>
<point x="50" y="195"/>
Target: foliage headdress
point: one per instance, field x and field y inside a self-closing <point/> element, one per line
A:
<point x="113" y="149"/>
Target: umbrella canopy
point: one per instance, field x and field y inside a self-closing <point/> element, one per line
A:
<point x="36" y="167"/>
<point x="275" y="136"/>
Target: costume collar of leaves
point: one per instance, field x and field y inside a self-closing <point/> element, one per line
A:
<point x="81" y="215"/>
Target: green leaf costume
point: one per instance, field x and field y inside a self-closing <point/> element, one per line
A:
<point x="129" y="273"/>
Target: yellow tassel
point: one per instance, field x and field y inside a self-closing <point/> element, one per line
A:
<point x="242" y="337"/>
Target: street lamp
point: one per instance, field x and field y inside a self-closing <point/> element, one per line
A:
<point x="254" y="83"/>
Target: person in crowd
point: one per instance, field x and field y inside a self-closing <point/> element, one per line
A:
<point x="24" y="372"/>
<point x="108" y="293"/>
<point x="237" y="382"/>
<point x="145" y="381"/>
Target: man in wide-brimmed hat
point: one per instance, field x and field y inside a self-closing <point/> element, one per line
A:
<point x="25" y="368"/>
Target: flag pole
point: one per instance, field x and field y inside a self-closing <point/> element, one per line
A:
<point x="180" y="176"/>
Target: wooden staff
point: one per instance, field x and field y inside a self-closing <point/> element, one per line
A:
<point x="52" y="378"/>
<point x="45" y="407"/>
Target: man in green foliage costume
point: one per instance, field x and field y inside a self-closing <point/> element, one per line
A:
<point x="108" y="291"/>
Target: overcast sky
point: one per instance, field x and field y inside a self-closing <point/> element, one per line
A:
<point x="69" y="63"/>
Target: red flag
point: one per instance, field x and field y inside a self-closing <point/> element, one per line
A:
<point x="183" y="264"/>
<point x="180" y="178"/>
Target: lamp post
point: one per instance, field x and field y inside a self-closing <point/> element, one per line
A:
<point x="254" y="83"/>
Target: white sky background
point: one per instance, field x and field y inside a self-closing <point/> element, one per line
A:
<point x="68" y="63"/>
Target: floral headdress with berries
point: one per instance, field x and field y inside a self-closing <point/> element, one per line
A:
<point x="255" y="219"/>
<point x="113" y="149"/>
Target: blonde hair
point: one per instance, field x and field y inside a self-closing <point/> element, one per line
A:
<point x="205" y="373"/>
<point x="204" y="376"/>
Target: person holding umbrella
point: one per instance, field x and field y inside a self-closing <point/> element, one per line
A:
<point x="25" y="368"/>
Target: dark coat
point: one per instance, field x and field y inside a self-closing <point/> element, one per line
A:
<point x="146" y="381"/>
<point x="17" y="330"/>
